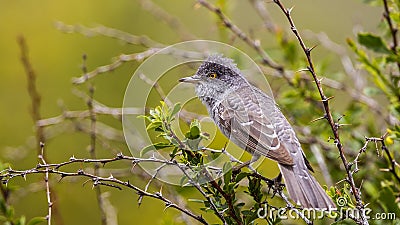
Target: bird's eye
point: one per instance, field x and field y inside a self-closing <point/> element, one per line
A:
<point x="212" y="75"/>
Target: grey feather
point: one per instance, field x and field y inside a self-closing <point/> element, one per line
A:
<point x="252" y="120"/>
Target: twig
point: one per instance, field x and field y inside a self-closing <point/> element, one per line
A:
<point x="266" y="59"/>
<point x="117" y="62"/>
<point x="33" y="92"/>
<point x="265" y="16"/>
<point x="198" y="187"/>
<point x="348" y="67"/>
<point x="108" y="32"/>
<point x="92" y="147"/>
<point x="393" y="30"/>
<point x="97" y="180"/>
<point x="40" y="137"/>
<point x="328" y="116"/>
<point x="157" y="170"/>
<point x="184" y="114"/>
<point x="157" y="87"/>
<point x="98" y="109"/>
<point x="162" y="15"/>
<point x="46" y="180"/>
<point x="390" y="160"/>
<point x="228" y="199"/>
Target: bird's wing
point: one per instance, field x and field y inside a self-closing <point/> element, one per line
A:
<point x="244" y="121"/>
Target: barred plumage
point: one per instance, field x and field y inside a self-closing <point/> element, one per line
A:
<point x="253" y="121"/>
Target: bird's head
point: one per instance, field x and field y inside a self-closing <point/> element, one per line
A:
<point x="215" y="76"/>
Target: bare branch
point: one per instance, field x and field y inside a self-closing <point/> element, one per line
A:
<point x="33" y="92"/>
<point x="328" y="115"/>
<point x="39" y="132"/>
<point x="255" y="44"/>
<point x="46" y="180"/>
<point x="108" y="32"/>
<point x="393" y="30"/>
<point x="262" y="11"/>
<point x="97" y="180"/>
<point x="92" y="146"/>
<point x="162" y="15"/>
<point x="117" y="63"/>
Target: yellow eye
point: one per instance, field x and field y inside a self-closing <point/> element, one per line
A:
<point x="212" y="75"/>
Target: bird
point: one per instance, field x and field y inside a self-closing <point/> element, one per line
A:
<point x="252" y="120"/>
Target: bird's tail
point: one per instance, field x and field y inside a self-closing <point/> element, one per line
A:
<point x="304" y="189"/>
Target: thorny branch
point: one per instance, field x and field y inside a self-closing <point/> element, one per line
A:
<point x="46" y="180"/>
<point x="393" y="30"/>
<point x="8" y="174"/>
<point x="108" y="32"/>
<point x="255" y="44"/>
<point x="32" y="91"/>
<point x="328" y="115"/>
<point x="392" y="163"/>
<point x="40" y="137"/>
<point x="153" y="45"/>
<point x="173" y="22"/>
<point x="92" y="146"/>
<point x="117" y="62"/>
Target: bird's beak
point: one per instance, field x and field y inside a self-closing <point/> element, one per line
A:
<point x="193" y="79"/>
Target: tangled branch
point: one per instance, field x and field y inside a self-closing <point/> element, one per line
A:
<point x="328" y="115"/>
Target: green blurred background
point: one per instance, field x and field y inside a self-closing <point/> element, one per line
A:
<point x="57" y="58"/>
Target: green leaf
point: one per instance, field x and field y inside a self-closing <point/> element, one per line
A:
<point x="372" y="42"/>
<point x="176" y="109"/>
<point x="21" y="221"/>
<point x="227" y="171"/>
<point x="194" y="132"/>
<point x="36" y="220"/>
<point x="240" y="176"/>
<point x="156" y="146"/>
<point x="3" y="206"/>
<point x="154" y="125"/>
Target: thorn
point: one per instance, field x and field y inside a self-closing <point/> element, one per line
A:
<point x="289" y="10"/>
<point x="341" y="117"/>
<point x="319" y="80"/>
<point x="111" y="176"/>
<point x="362" y="182"/>
<point x="84" y="183"/>
<point x="383" y="137"/>
<point x="80" y="172"/>
<point x="327" y="99"/>
<point x="319" y="118"/>
<point x="120" y="155"/>
<point x="303" y="70"/>
<point x="310" y="49"/>
<point x="167" y="205"/>
<point x="139" y="201"/>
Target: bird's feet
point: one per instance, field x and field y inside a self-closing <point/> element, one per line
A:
<point x="275" y="185"/>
